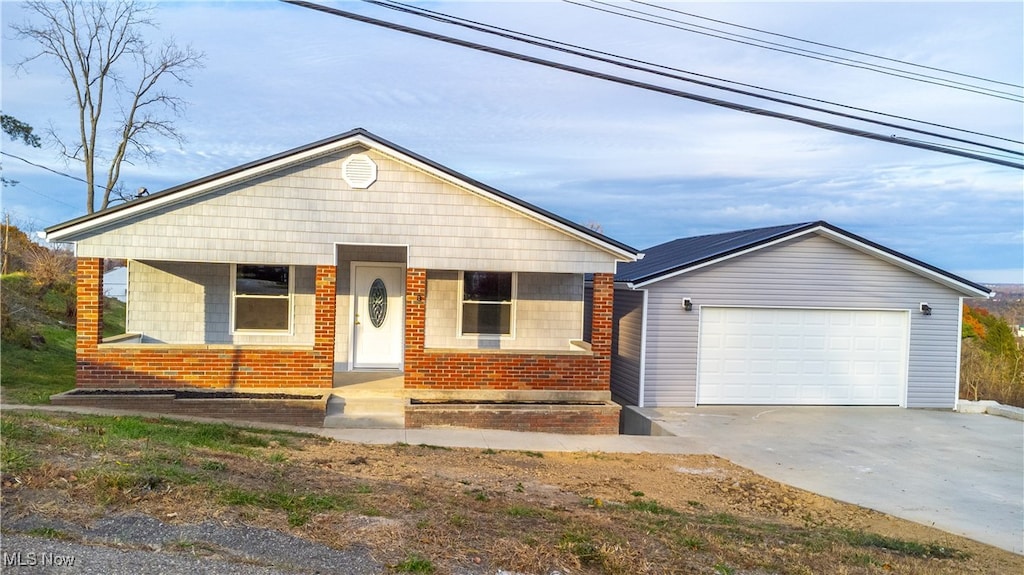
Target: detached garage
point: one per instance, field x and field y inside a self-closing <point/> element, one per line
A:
<point x="806" y="314"/>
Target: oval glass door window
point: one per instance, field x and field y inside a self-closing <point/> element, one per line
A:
<point x="378" y="302"/>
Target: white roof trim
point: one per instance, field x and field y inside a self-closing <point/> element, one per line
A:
<point x="329" y="148"/>
<point x="839" y="238"/>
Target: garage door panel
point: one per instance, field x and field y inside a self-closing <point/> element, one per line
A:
<point x="802" y="356"/>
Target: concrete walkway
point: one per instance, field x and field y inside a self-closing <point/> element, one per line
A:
<point x="962" y="473"/>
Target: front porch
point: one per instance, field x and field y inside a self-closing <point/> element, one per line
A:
<point x="381" y="400"/>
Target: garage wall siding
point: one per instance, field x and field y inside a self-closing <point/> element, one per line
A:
<point x="627" y="337"/>
<point x="811" y="271"/>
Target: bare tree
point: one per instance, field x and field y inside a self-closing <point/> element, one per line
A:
<point x="103" y="52"/>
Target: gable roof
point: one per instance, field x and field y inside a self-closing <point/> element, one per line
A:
<point x="69" y="230"/>
<point x="688" y="254"/>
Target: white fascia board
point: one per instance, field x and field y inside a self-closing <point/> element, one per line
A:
<point x="231" y="179"/>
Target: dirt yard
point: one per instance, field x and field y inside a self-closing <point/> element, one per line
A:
<point x="426" y="509"/>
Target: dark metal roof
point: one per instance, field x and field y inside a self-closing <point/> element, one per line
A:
<point x="685" y="253"/>
<point x="340" y="137"/>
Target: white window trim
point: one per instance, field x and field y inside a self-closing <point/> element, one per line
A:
<point x="291" y="305"/>
<point x="486" y="336"/>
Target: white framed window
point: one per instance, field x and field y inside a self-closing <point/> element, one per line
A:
<point x="487" y="306"/>
<point x="261" y="299"/>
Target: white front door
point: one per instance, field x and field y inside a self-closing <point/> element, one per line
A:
<point x="378" y="316"/>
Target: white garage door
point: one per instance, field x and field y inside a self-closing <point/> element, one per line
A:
<point x="802" y="356"/>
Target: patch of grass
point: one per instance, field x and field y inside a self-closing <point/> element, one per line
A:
<point x="650" y="506"/>
<point x="532" y="453"/>
<point x="637" y="493"/>
<point x="721" y="519"/>
<point x="15" y="459"/>
<point x="582" y="545"/>
<point x="695" y="504"/>
<point x="31" y="376"/>
<point x="489" y="451"/>
<point x="113" y="317"/>
<point x="692" y="543"/>
<point x="176" y="434"/>
<point x="363" y="488"/>
<point x="522" y="511"/>
<point x="415" y="564"/>
<point x="901" y="546"/>
<point x="212" y="465"/>
<point x="49" y="533"/>
<point x="299" y="507"/>
<point x="277" y="457"/>
<point x="723" y="569"/>
<point x="458" y="520"/>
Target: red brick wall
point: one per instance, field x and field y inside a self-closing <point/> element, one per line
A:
<point x="587" y="420"/>
<point x="427" y="369"/>
<point x="307" y="413"/>
<point x="161" y="366"/>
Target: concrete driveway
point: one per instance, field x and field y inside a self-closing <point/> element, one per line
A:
<point x="962" y="473"/>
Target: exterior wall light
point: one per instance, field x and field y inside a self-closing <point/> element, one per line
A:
<point x="687" y="304"/>
<point x="925" y="308"/>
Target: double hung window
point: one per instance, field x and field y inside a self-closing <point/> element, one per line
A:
<point x="262" y="298"/>
<point x="488" y="300"/>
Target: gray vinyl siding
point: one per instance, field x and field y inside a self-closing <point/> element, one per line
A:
<point x="809" y="272"/>
<point x="343" y="316"/>
<point x="296" y="215"/>
<point x="548" y="313"/>
<point x="190" y="303"/>
<point x="627" y="345"/>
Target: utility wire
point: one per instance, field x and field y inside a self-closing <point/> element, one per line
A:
<point x="44" y="167"/>
<point x="648" y="86"/>
<point x="831" y="46"/>
<point x="830" y="59"/>
<point x="545" y="43"/>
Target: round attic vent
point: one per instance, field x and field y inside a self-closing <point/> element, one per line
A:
<point x="359" y="171"/>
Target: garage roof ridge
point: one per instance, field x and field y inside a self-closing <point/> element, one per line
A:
<point x="686" y="254"/>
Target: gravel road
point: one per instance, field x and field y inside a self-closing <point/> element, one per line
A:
<point x="133" y="544"/>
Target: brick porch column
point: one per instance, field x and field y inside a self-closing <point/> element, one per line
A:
<point x="88" y="316"/>
<point x="415" y="324"/>
<point x="324" y="319"/>
<point x="89" y="304"/>
<point x="601" y="324"/>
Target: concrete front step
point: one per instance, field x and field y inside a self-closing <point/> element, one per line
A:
<point x="365" y="412"/>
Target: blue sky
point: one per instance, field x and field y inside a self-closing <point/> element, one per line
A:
<point x="647" y="167"/>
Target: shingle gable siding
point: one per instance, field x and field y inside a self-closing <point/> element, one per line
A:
<point x="296" y="216"/>
<point x="810" y="271"/>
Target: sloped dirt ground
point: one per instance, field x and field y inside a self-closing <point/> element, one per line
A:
<point x="407" y="508"/>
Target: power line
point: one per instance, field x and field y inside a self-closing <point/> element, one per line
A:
<point x="546" y="43"/>
<point x="824" y="45"/>
<point x="42" y="195"/>
<point x="650" y="87"/>
<point x="824" y="58"/>
<point x="44" y="167"/>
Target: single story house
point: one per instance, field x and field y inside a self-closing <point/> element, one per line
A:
<point x="803" y="314"/>
<point x="352" y="254"/>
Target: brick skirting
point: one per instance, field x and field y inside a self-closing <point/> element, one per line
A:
<point x="303" y="412"/>
<point x="601" y="419"/>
